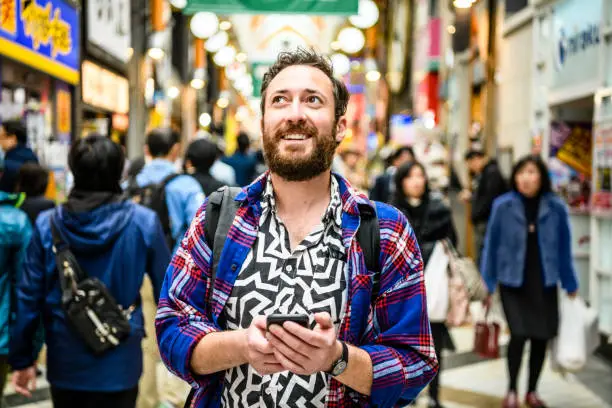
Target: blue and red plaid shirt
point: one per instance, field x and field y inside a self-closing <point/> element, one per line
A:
<point x="397" y="335"/>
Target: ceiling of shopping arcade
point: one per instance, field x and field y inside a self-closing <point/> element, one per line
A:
<point x="243" y="40"/>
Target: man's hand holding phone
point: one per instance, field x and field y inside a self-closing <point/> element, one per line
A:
<point x="303" y="351"/>
<point x="260" y="353"/>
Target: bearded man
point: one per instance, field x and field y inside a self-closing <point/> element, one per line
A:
<point x="292" y="249"/>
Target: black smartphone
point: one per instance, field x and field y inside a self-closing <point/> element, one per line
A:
<point x="279" y="319"/>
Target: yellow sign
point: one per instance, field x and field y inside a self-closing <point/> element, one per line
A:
<point x="44" y="29"/>
<point x="8" y="16"/>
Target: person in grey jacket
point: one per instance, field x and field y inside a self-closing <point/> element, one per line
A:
<point x="527" y="253"/>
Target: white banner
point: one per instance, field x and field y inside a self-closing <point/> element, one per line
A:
<point x="108" y="26"/>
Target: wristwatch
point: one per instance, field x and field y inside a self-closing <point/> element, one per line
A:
<point x="340" y="365"/>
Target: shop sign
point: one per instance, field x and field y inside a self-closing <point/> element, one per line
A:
<point x="108" y="27"/>
<point x="43" y="35"/>
<point x="602" y="163"/>
<point x="259" y="69"/>
<point x="103" y="89"/>
<point x="576" y="39"/>
<point x="64" y="110"/>
<point x="320" y="7"/>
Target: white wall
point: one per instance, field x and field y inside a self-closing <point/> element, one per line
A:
<point x="514" y="96"/>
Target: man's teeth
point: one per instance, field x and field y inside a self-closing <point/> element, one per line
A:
<point x="295" y="137"/>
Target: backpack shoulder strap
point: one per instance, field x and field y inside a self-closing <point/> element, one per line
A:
<point x="220" y="213"/>
<point x="368" y="236"/>
<point x="166" y="180"/>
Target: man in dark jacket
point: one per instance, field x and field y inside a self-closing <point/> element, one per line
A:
<point x="32" y="181"/>
<point x="487" y="184"/>
<point x="13" y="139"/>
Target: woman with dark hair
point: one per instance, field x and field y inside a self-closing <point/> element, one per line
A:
<point x="113" y="240"/>
<point x="199" y="158"/>
<point x="33" y="180"/>
<point x="527" y="253"/>
<point x="431" y="221"/>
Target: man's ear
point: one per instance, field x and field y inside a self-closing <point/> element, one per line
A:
<point x="341" y="129"/>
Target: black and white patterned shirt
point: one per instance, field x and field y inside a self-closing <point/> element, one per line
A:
<point x="273" y="279"/>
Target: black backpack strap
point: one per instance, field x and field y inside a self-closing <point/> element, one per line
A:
<point x="368" y="236"/>
<point x="220" y="213"/>
<point x="70" y="272"/>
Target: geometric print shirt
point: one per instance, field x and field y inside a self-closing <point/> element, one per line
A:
<point x="309" y="279"/>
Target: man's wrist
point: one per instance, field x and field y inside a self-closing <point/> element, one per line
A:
<point x="336" y="355"/>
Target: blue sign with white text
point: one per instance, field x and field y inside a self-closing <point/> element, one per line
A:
<point x="43" y="34"/>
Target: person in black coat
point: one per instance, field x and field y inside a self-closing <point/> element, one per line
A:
<point x="199" y="158"/>
<point x="488" y="183"/>
<point x="431" y="221"/>
<point x="33" y="180"/>
<point x="384" y="185"/>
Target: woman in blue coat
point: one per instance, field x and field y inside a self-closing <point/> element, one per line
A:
<point x="527" y="253"/>
<point x="113" y="240"/>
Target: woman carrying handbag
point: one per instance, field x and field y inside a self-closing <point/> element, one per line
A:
<point x="528" y="253"/>
<point x="432" y="222"/>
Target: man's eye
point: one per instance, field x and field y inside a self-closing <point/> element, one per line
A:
<point x="313" y="99"/>
<point x="278" y="99"/>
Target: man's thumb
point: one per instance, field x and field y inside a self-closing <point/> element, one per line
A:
<point x="324" y="320"/>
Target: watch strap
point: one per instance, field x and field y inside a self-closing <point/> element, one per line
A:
<point x="340" y="365"/>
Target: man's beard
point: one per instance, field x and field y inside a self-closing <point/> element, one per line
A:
<point x="305" y="167"/>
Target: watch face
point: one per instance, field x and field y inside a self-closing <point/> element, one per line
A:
<point x="339" y="368"/>
<point x="398" y="47"/>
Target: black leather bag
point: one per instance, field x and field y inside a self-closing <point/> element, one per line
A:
<point x="91" y="310"/>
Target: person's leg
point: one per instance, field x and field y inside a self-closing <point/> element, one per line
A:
<point x="149" y="395"/>
<point x="536" y="362"/>
<point x="3" y="373"/>
<point x="437" y="332"/>
<point x="515" y="358"/>
<point x="63" y="398"/>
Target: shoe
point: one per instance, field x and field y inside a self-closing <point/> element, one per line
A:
<point x="435" y="404"/>
<point x="533" y="401"/>
<point x="511" y="400"/>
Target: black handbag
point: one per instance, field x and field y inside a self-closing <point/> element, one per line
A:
<point x="91" y="310"/>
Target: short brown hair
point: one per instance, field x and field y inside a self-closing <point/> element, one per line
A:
<point x="309" y="57"/>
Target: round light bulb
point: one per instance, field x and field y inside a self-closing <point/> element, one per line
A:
<point x="197" y="83"/>
<point x="225" y="25"/>
<point x="205" y="119"/>
<point x="341" y="64"/>
<point x="217" y="41"/>
<point x="156" y="53"/>
<point x="225" y="56"/>
<point x="373" y="76"/>
<point x="351" y="40"/>
<point x="241" y="57"/>
<point x="179" y="4"/>
<point x="463" y="4"/>
<point x="222" y="103"/>
<point x="204" y="24"/>
<point x="173" y="92"/>
<point x="335" y="45"/>
<point x="367" y="14"/>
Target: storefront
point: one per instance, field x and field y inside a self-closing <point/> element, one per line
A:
<point x="105" y="88"/>
<point x="38" y="72"/>
<point x="571" y="125"/>
<point x="105" y="101"/>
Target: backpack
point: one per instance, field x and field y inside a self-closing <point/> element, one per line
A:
<point x="153" y="196"/>
<point x="221" y="211"/>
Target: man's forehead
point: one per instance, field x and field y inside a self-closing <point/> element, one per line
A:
<point x="297" y="78"/>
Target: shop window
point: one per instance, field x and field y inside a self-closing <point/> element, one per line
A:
<point x="461" y="38"/>
<point x="512" y="6"/>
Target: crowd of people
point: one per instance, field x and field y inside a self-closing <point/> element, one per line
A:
<point x="296" y="239"/>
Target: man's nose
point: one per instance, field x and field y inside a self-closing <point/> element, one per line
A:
<point x="296" y="113"/>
